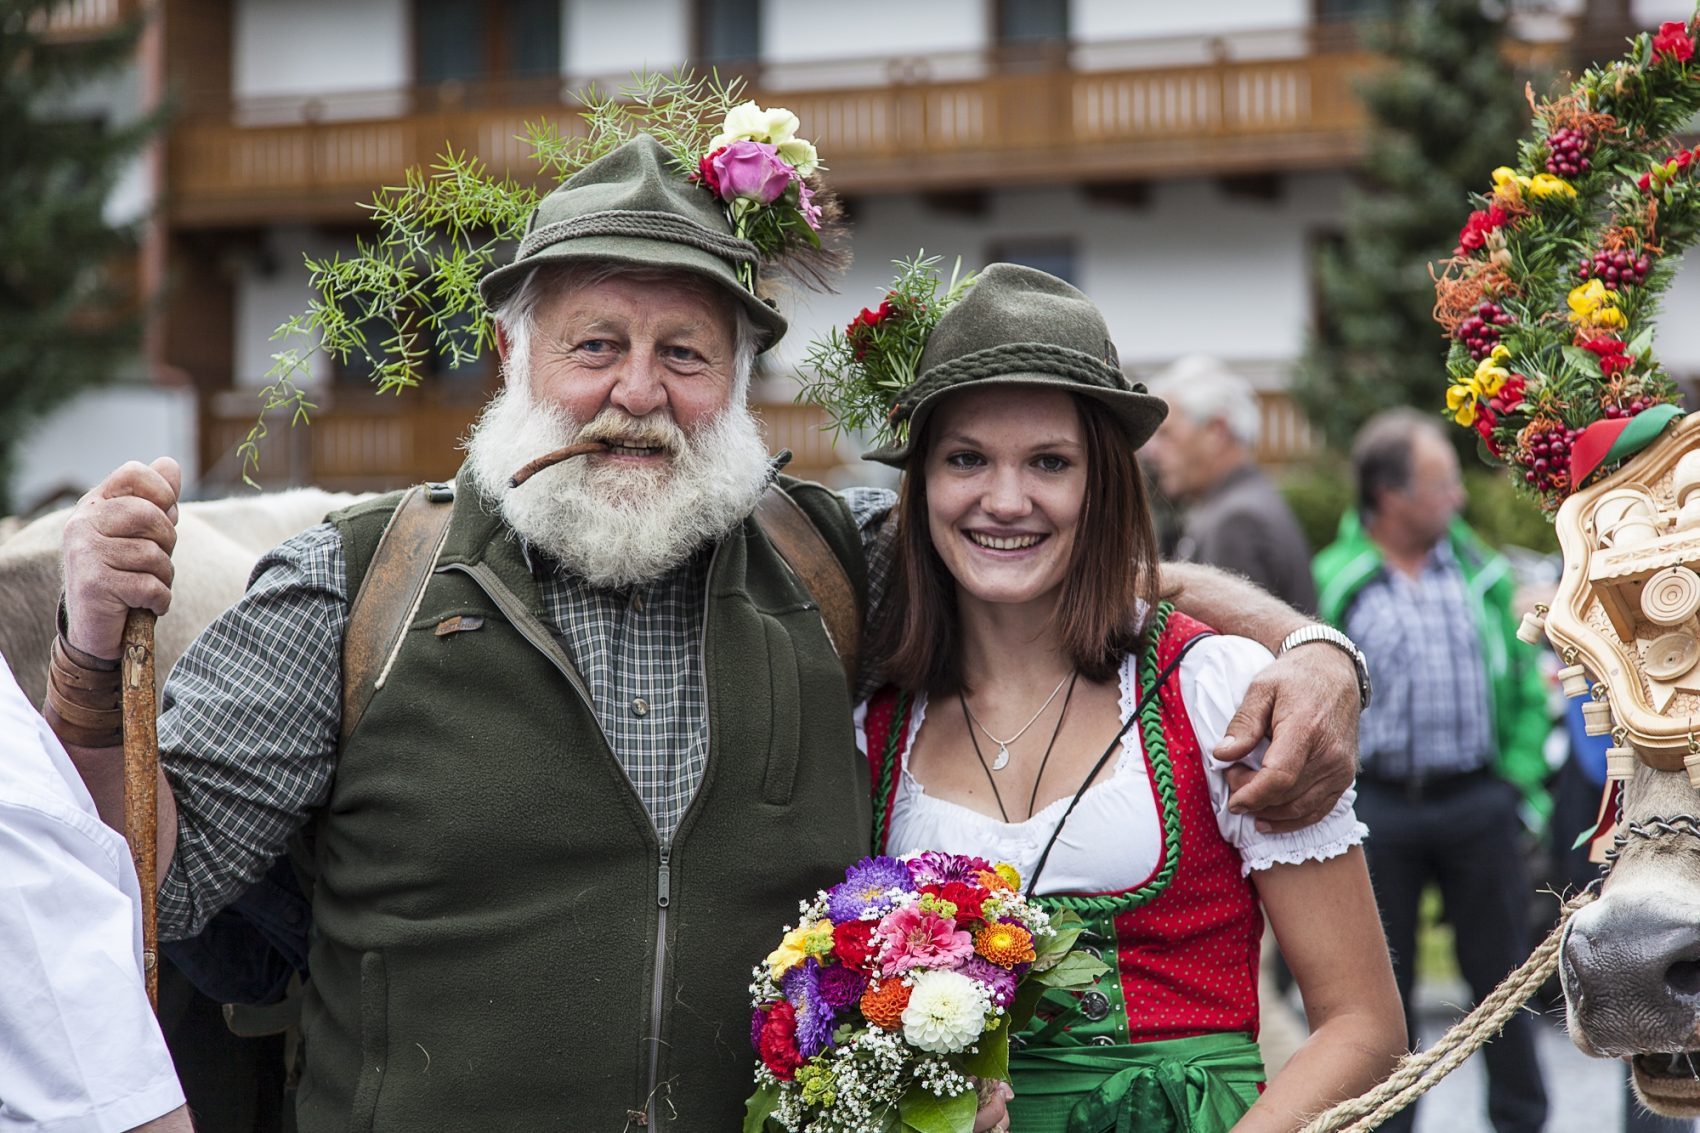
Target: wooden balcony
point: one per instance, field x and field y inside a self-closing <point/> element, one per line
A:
<point x="72" y="20"/>
<point x="320" y="159"/>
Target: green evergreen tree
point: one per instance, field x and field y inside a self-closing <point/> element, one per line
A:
<point x="1445" y="113"/>
<point x="63" y="326"/>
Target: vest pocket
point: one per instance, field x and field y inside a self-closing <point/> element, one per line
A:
<point x="785" y="735"/>
<point x="374" y="1040"/>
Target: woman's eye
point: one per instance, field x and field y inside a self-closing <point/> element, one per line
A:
<point x="1050" y="463"/>
<point x="964" y="460"/>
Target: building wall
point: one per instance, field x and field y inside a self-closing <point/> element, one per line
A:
<point x="73" y="448"/>
<point x="284" y="49"/>
<point x="615" y="39"/>
<point x="271" y="287"/>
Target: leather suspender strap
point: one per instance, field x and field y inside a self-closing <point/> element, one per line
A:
<point x="390" y="594"/>
<point x="806" y="552"/>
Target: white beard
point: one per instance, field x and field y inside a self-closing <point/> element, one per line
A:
<point x="615" y="525"/>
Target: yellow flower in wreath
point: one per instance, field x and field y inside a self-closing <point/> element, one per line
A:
<point x="1592" y="304"/>
<point x="1547" y="185"/>
<point x="1491" y="374"/>
<point x="1461" y="402"/>
<point x="1508" y="184"/>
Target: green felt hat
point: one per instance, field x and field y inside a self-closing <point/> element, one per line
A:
<point x="634" y="206"/>
<point x="1018" y="326"/>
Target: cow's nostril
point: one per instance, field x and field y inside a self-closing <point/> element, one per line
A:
<point x="1683" y="977"/>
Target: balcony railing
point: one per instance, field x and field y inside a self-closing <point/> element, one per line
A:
<point x="78" y="19"/>
<point x="957" y="123"/>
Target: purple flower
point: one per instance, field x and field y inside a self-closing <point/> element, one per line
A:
<point x="865" y="886"/>
<point x="814" y="1014"/>
<point x="806" y="204"/>
<point x="841" y="986"/>
<point x="753" y="170"/>
<point x="758" y="1018"/>
<point x="935" y="868"/>
<point x="1000" y="981"/>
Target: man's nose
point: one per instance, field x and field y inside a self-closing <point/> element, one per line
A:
<point x="638" y="389"/>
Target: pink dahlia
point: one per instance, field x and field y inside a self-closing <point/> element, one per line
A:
<point x="915" y="938"/>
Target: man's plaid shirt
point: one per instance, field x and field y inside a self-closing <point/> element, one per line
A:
<point x="250" y="717"/>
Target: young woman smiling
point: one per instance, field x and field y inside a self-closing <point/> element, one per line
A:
<point x="1045" y="709"/>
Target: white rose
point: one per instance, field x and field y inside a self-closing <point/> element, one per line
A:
<point x="946" y="1012"/>
<point x="800" y="154"/>
<point x="781" y="125"/>
<point x="744" y="122"/>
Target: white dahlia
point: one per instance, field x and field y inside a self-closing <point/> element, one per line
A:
<point x="946" y="1012"/>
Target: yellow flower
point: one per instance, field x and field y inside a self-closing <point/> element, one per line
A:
<point x="817" y="941"/>
<point x="1490" y="375"/>
<point x="1594" y="305"/>
<point x="1547" y="185"/>
<point x="1461" y="402"/>
<point x="1011" y="876"/>
<point x="1509" y="183"/>
<point x="789" y="954"/>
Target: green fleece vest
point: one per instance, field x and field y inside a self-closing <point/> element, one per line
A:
<point x="500" y="942"/>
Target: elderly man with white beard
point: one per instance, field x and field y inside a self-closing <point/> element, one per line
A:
<point x="612" y="746"/>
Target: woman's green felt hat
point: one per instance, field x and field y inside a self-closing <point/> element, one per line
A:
<point x="1018" y="326"/>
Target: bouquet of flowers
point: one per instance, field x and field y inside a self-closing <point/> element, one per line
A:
<point x="1550" y="296"/>
<point x="898" y="990"/>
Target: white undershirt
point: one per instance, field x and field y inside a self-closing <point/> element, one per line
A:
<point x="80" y="1051"/>
<point x="1113" y="839"/>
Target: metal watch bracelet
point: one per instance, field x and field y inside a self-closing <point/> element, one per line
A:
<point x="1314" y="632"/>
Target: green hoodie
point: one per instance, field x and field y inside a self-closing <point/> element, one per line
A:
<point x="1519" y="699"/>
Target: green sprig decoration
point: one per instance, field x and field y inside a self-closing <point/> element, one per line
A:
<point x="1550" y="297"/>
<point x="412" y="289"/>
<point x="857" y="374"/>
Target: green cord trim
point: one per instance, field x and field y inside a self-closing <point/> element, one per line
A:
<point x="1163" y="774"/>
<point x="887" y="783"/>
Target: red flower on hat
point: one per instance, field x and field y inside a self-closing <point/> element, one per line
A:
<point x="857" y="331"/>
<point x="1673" y="42"/>
<point x="705" y="174"/>
<point x="1475" y="231"/>
<point x="1670" y="167"/>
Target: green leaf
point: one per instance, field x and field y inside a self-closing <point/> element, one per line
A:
<point x="1073" y="972"/>
<point x="1641" y="343"/>
<point x="1066" y="929"/>
<point x="1584" y="360"/>
<point x="927" y="1113"/>
<point x="992" y="1059"/>
<point x="757" y="1109"/>
<point x="1026" y="1001"/>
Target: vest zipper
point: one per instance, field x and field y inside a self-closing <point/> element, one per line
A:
<point x="663" y="898"/>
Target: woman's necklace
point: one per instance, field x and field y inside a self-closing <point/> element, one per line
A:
<point x="1001" y="760"/>
<point x="1055" y="732"/>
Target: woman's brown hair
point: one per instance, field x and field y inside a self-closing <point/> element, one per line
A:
<point x="1112" y="568"/>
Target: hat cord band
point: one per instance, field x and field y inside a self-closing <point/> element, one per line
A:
<point x="643" y="226"/>
<point x="1010" y="358"/>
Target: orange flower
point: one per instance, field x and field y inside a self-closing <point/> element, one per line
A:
<point x="883" y="1004"/>
<point x="1005" y="945"/>
<point x="991" y="880"/>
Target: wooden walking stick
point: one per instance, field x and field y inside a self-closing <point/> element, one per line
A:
<point x="141" y="776"/>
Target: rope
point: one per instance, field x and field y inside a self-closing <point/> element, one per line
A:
<point x="641" y="225"/>
<point x="1419" y="1071"/>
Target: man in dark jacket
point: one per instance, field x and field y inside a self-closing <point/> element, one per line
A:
<point x="1235" y="519"/>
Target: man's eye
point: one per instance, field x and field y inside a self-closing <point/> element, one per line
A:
<point x="682" y="354"/>
<point x="595" y="346"/>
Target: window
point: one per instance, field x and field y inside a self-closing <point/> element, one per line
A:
<point x="1053" y="255"/>
<point x="728" y="31"/>
<point x="1031" y="21"/>
<point x="467" y="40"/>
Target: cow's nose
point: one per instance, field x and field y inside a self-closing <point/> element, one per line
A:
<point x="1633" y="971"/>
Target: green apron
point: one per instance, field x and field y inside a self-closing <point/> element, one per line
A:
<point x="1196" y="1085"/>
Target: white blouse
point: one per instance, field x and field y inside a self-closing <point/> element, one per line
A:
<point x="1113" y="840"/>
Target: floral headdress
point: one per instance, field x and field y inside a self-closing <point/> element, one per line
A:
<point x="1549" y="297"/>
<point x="857" y="374"/>
<point x="422" y="282"/>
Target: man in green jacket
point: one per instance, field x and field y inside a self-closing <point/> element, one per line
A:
<point x="1452" y="746"/>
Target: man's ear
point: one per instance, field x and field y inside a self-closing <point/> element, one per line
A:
<point x="501" y="342"/>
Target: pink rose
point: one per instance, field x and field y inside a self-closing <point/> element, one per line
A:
<point x="914" y="938"/>
<point x="752" y="170"/>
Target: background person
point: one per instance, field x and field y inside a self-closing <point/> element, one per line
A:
<point x="1452" y="746"/>
<point x="1234" y="517"/>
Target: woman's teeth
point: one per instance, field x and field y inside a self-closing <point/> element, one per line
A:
<point x="1011" y="543"/>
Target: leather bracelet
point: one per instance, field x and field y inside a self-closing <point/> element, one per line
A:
<point x="85" y="697"/>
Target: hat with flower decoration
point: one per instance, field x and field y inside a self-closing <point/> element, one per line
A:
<point x="1010" y="326"/>
<point x="632" y="206"/>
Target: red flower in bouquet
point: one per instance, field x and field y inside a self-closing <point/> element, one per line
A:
<point x="779" y="1041"/>
<point x="968" y="899"/>
<point x="1673" y="42"/>
<point x="1473" y="236"/>
<point x="854" y="945"/>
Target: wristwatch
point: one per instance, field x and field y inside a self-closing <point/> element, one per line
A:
<point x="1314" y="632"/>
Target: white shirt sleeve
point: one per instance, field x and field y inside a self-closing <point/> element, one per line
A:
<point x="81" y="1050"/>
<point x="1214" y="677"/>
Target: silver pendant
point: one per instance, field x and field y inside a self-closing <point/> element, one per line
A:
<point x="1002" y="759"/>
